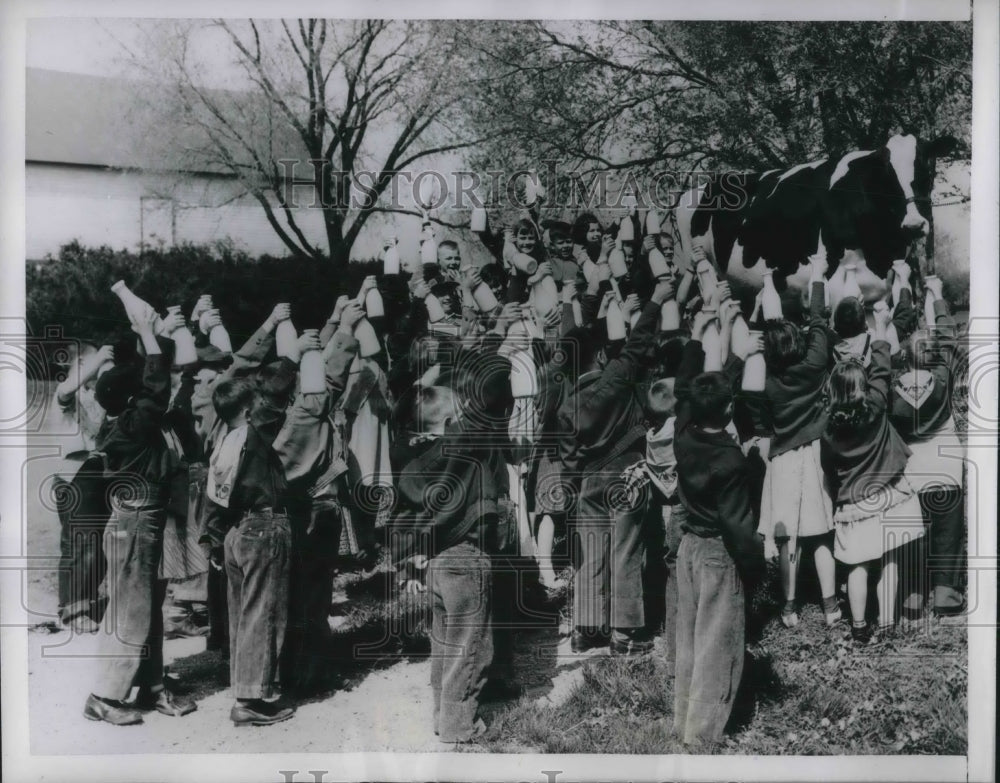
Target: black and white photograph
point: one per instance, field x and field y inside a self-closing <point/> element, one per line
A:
<point x="390" y="393"/>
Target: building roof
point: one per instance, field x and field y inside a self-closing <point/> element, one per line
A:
<point x="84" y="120"/>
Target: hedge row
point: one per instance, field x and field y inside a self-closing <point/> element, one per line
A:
<point x="72" y="291"/>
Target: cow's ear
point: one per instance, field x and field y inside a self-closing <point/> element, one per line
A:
<point x="941" y="146"/>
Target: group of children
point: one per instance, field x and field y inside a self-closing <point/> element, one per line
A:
<point x="585" y="382"/>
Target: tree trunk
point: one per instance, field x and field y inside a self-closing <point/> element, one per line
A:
<point x="340" y="251"/>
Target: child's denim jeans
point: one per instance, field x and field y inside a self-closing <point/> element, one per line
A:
<point x="132" y="647"/>
<point x="710" y="637"/>
<point x="258" y="553"/>
<point x="459" y="581"/>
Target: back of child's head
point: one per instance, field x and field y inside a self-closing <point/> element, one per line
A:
<point x="582" y="344"/>
<point x="710" y="400"/>
<point x="492" y="274"/>
<point x="784" y="345"/>
<point x="660" y="402"/>
<point x="269" y="377"/>
<point x="847" y="398"/>
<point x="232" y="396"/>
<point x="116" y="387"/>
<point x="668" y="357"/>
<point x="849" y="318"/>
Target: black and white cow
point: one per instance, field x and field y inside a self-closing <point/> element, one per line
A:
<point x="868" y="206"/>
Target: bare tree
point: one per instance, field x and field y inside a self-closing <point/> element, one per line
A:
<point x="340" y="106"/>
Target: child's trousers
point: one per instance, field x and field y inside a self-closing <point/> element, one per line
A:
<point x="607" y="586"/>
<point x="710" y="638"/>
<point x="132" y="649"/>
<point x="459" y="581"/>
<point x="258" y="555"/>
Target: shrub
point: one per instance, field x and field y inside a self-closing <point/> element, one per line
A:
<point x="73" y="290"/>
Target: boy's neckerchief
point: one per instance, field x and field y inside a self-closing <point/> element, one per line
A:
<point x="224" y="463"/>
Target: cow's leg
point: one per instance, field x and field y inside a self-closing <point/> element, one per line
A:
<point x="922" y="261"/>
<point x="835" y="274"/>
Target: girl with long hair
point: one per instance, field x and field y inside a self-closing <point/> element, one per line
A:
<point x="876" y="510"/>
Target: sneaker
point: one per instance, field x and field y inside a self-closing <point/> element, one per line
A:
<point x="630" y="644"/>
<point x="834" y="617"/>
<point x="886" y="631"/>
<point x="789" y="619"/>
<point x="84" y="624"/>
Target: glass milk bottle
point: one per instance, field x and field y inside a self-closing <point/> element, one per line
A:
<point x="184" y="350"/>
<point x="770" y="302"/>
<point x="286" y="340"/>
<point x="312" y="371"/>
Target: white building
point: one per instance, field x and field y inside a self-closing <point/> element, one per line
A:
<point x="87" y="180"/>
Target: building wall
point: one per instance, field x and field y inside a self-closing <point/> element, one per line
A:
<point x="125" y="209"/>
<point x="122" y="209"/>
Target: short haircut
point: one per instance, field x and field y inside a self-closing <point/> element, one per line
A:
<point x="668" y="357"/>
<point x="560" y="229"/>
<point x="784" y="345"/>
<point x="709" y="399"/>
<point x="447" y="244"/>
<point x="660" y="400"/>
<point x="583" y="342"/>
<point x="492" y="274"/>
<point x="232" y="396"/>
<point x="525" y="226"/>
<point x="433" y="406"/>
<point x="116" y="387"/>
<point x="849" y="318"/>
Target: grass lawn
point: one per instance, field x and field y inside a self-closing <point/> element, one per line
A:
<point x="806" y="691"/>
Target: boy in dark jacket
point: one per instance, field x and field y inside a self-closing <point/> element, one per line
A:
<point x="719" y="554"/>
<point x="450" y="477"/>
<point x="602" y="433"/>
<point x="140" y="462"/>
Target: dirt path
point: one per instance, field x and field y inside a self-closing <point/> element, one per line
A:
<point x="388" y="710"/>
<point x="386" y="706"/>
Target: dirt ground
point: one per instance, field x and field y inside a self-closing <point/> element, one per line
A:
<point x="383" y="704"/>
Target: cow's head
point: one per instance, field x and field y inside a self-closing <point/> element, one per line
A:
<point x="914" y="163"/>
